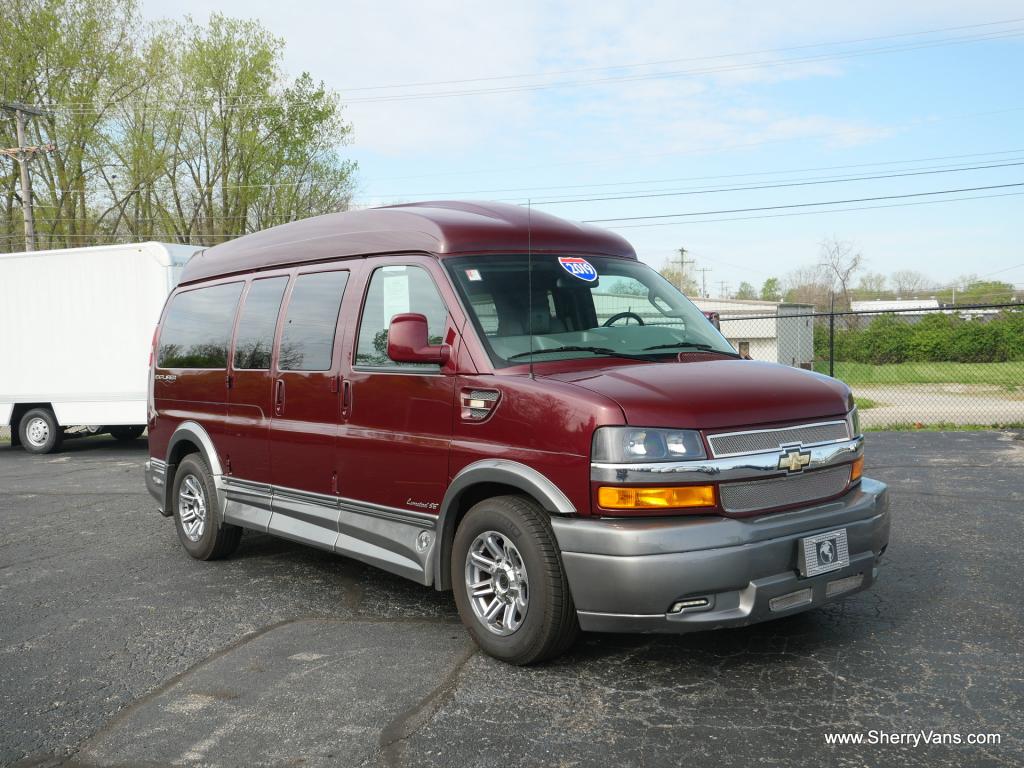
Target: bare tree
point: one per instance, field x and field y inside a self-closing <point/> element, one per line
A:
<point x="872" y="285"/>
<point x="841" y="260"/>
<point x="808" y="285"/>
<point x="907" y="282"/>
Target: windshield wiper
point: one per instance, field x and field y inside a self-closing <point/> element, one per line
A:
<point x="691" y="345"/>
<point x="596" y="350"/>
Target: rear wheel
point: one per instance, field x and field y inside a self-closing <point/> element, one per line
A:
<point x="197" y="514"/>
<point x="127" y="433"/>
<point x="39" y="431"/>
<point x="509" y="584"/>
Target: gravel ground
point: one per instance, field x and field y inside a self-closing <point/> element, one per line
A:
<point x="117" y="649"/>
<point x="940" y="403"/>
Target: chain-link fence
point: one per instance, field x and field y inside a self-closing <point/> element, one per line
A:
<point x="934" y="367"/>
<point x="955" y="366"/>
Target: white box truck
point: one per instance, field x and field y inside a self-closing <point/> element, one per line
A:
<point x="76" y="326"/>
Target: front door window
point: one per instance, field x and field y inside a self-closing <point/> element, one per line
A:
<point x="395" y="290"/>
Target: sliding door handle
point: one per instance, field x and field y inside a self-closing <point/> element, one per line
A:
<point x="279" y="397"/>
<point x="346" y="397"/>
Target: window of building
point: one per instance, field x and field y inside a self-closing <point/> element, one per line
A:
<point x="744" y="348"/>
<point x="307" y="341"/>
<point x="197" y="330"/>
<point x="395" y="290"/>
<point x="254" y="341"/>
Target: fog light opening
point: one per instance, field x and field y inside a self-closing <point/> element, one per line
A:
<point x="792" y="600"/>
<point x="839" y="586"/>
<point x="690" y="605"/>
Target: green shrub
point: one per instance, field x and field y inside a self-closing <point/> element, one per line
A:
<point x="935" y="338"/>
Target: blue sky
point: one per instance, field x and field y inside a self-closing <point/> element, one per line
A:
<point x="747" y="123"/>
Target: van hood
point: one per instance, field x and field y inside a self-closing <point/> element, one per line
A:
<point x="715" y="394"/>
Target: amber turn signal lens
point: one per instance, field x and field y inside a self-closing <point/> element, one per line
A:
<point x="656" y="498"/>
<point x="857" y="469"/>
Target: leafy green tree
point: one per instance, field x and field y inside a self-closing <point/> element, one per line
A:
<point x="974" y="291"/>
<point x="771" y="290"/>
<point x="180" y="131"/>
<point x="682" y="281"/>
<point x="746" y="291"/>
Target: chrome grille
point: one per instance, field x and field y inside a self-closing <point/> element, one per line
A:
<point x="783" y="491"/>
<point x="758" y="441"/>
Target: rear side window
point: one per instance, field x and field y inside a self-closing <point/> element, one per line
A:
<point x="307" y="342"/>
<point x="254" y="341"/>
<point x="197" y="329"/>
<point x="395" y="290"/>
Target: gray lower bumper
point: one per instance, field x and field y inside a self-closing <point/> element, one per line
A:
<point x="625" y="575"/>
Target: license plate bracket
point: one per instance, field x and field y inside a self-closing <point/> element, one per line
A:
<point x="823" y="553"/>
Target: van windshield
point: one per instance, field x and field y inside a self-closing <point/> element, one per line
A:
<point x="565" y="307"/>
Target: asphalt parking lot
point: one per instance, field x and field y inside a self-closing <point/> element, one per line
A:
<point x="116" y="649"/>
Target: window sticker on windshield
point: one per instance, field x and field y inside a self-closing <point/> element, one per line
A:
<point x="578" y="267"/>
<point x="473" y="275"/>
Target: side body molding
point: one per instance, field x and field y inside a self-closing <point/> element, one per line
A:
<point x="194" y="433"/>
<point x="505" y="472"/>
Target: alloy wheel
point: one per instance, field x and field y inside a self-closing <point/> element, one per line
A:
<point x="497" y="583"/>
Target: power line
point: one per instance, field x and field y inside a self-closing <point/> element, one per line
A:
<point x="664" y="62"/>
<point x="260" y="103"/>
<point x="707" y="178"/>
<point x="796" y="183"/>
<point x="802" y="205"/>
<point x="813" y="213"/>
<point x="709" y="149"/>
<point x="725" y="68"/>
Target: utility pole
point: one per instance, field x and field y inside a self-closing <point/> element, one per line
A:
<point x="683" y="261"/>
<point x="723" y="289"/>
<point x="704" y="281"/>
<point x="22" y="154"/>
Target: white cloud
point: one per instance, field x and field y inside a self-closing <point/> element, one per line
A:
<point x="399" y="42"/>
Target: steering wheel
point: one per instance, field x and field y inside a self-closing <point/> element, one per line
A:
<point x="621" y="315"/>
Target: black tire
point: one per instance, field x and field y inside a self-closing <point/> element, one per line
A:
<point x="39" y="431"/>
<point x="125" y="434"/>
<point x="549" y="625"/>
<point x="215" y="540"/>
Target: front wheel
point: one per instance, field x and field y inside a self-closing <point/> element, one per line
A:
<point x="509" y="584"/>
<point x="197" y="514"/>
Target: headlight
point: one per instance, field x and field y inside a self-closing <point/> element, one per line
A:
<point x="853" y="418"/>
<point x="621" y="445"/>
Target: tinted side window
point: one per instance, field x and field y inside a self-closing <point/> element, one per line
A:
<point x="307" y="342"/>
<point x="395" y="290"/>
<point x="197" y="329"/>
<point x="255" y="338"/>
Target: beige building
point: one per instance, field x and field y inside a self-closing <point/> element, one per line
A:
<point x="766" y="330"/>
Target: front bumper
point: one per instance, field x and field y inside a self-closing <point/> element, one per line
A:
<point x="625" y="575"/>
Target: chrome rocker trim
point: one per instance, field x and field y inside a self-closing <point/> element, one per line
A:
<point x="396" y="540"/>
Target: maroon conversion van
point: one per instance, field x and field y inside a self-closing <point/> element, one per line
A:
<point x="510" y="406"/>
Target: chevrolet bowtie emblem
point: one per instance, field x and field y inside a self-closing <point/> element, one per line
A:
<point x="794" y="460"/>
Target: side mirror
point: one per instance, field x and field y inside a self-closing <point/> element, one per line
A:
<point x="408" y="341"/>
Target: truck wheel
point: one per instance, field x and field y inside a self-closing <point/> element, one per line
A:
<point x="39" y="431"/>
<point x="127" y="434"/>
<point x="197" y="514"/>
<point x="509" y="584"/>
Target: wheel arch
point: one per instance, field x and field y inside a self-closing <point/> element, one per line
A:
<point x="190" y="437"/>
<point x="483" y="480"/>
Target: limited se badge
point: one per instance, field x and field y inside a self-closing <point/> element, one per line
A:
<point x="578" y="267"/>
<point x="823" y="553"/>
